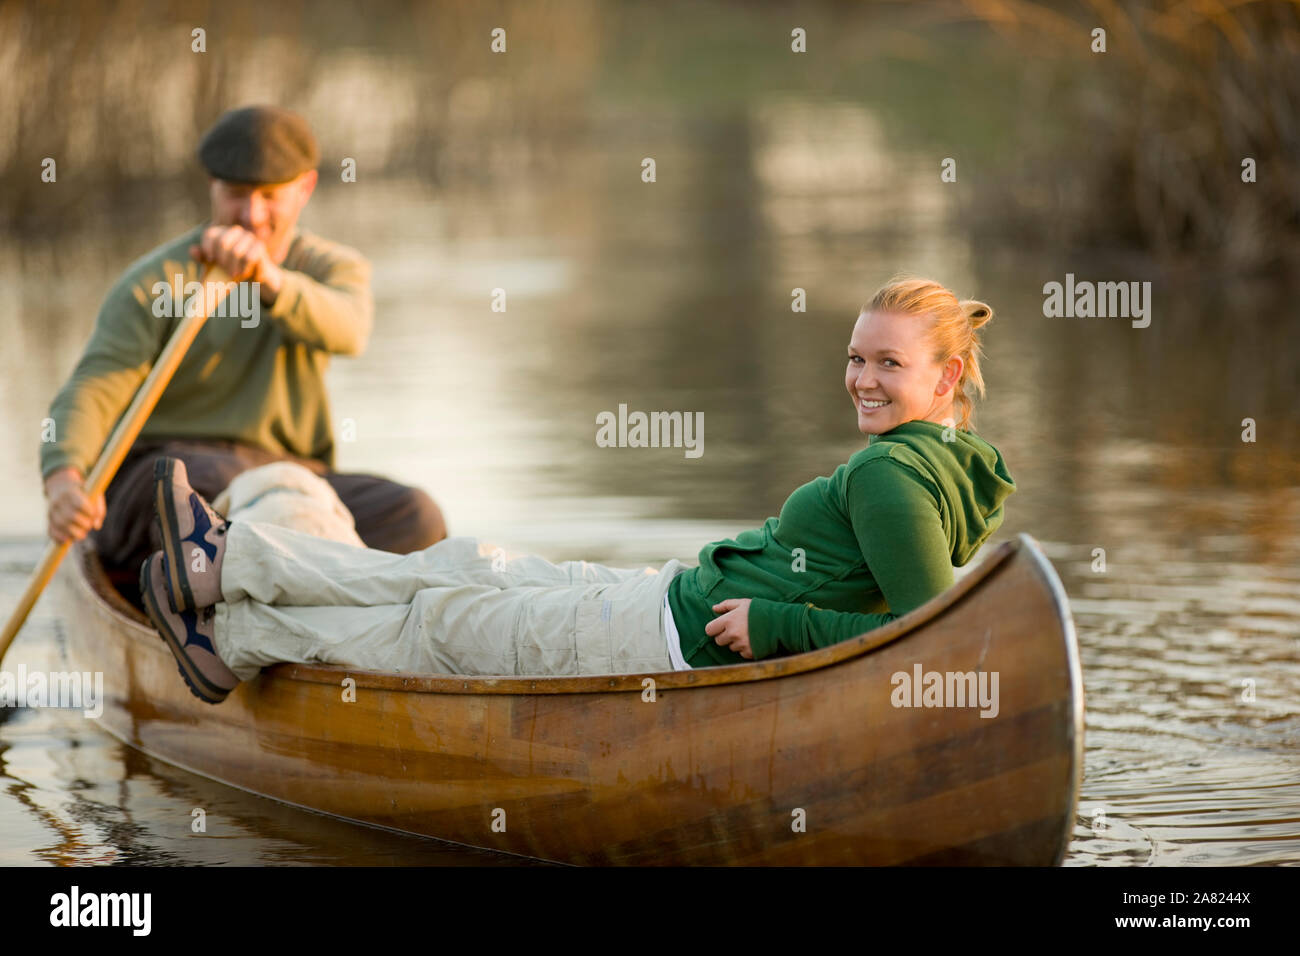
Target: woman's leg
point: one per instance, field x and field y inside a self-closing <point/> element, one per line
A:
<point x="471" y="629"/>
<point x="386" y="637"/>
<point x="280" y="566"/>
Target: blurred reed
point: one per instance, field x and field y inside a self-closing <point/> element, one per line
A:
<point x="1139" y="148"/>
<point x="118" y="97"/>
<point x="1159" y="126"/>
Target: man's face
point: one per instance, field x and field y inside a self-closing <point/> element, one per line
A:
<point x="270" y="212"/>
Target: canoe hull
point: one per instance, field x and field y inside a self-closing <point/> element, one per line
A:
<point x="798" y="761"/>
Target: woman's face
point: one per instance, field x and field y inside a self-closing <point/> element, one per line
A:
<point x="892" y="376"/>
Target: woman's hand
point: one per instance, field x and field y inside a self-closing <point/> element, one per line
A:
<point x="731" y="629"/>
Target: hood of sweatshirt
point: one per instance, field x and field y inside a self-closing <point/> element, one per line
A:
<point x="968" y="474"/>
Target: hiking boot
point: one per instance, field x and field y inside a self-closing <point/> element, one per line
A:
<point x="188" y="634"/>
<point x="193" y="538"/>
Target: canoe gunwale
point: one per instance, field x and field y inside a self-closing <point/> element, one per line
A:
<point x="134" y="623"/>
<point x="1075" y="673"/>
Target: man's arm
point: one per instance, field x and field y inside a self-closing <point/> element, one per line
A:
<point x="896" y="520"/>
<point x="319" y="296"/>
<point x="124" y="345"/>
<point x="326" y="302"/>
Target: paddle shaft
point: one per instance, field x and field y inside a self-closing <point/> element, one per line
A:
<point x="124" y="435"/>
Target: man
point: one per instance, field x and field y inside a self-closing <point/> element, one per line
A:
<point x="249" y="391"/>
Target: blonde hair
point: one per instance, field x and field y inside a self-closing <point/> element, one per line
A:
<point x="952" y="333"/>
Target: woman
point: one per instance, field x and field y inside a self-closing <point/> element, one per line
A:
<point x="847" y="554"/>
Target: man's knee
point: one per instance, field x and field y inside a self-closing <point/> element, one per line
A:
<point x="408" y="521"/>
<point x="389" y="516"/>
<point x="427" y="524"/>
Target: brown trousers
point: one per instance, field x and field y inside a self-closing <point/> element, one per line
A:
<point x="388" y="516"/>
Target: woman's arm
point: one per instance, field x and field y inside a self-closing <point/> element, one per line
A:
<point x="895" y="516"/>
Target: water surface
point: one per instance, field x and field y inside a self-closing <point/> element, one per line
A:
<point x="676" y="296"/>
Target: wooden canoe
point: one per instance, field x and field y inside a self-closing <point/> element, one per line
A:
<point x="795" y="760"/>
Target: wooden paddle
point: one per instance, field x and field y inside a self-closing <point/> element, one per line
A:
<point x="215" y="288"/>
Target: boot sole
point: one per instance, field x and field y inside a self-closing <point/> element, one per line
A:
<point x="199" y="685"/>
<point x="179" y="596"/>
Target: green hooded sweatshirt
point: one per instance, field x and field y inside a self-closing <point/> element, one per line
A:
<point x="851" y="552"/>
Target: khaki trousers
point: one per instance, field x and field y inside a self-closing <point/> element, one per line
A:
<point x="388" y="515"/>
<point x="459" y="606"/>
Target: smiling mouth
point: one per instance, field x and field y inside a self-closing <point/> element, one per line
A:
<point x="871" y="406"/>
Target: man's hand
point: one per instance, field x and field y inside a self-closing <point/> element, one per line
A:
<point x="72" y="514"/>
<point x="242" y="255"/>
<point x="731" y="629"/>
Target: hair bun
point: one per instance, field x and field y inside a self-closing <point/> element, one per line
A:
<point x="978" y="313"/>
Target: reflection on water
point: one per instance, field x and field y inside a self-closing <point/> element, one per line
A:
<point x="676" y="296"/>
<point x="73" y="795"/>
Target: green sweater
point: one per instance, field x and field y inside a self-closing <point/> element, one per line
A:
<point x="263" y="385"/>
<point x="851" y="552"/>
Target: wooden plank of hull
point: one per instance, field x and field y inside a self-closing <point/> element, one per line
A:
<point x="712" y="771"/>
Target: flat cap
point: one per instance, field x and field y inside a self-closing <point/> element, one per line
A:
<point x="259" y="144"/>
